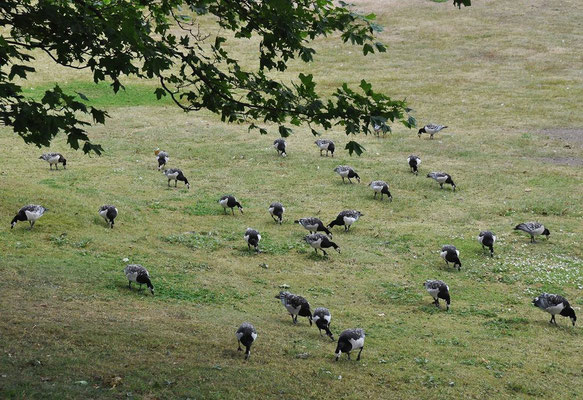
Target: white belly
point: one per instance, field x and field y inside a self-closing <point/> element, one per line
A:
<point x="172" y="176"/>
<point x="103" y="213"/>
<point x="538" y="231"/>
<point x="316" y="244"/>
<point x="349" y="221"/>
<point x="224" y="203"/>
<point x="344" y="173"/>
<point x="323" y="146"/>
<point x="53" y="160"/>
<point x="32" y="216"/>
<point x="443" y="254"/>
<point x="555" y="309"/>
<point x="311" y="228"/>
<point x="357" y="344"/>
<point x="293" y="310"/>
<point x="433" y="292"/>
<point x="271" y="210"/>
<point x="377" y="189"/>
<point x="441" y="179"/>
<point x="132" y="276"/>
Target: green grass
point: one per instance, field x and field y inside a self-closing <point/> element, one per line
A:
<point x="498" y="73"/>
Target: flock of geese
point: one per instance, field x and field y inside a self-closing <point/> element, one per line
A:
<point x="319" y="238"/>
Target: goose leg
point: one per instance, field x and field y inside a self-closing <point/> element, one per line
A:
<point x="358" y="358"/>
<point x="239" y="344"/>
<point x="375" y="195"/>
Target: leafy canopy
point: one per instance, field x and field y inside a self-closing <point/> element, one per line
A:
<point x="159" y="39"/>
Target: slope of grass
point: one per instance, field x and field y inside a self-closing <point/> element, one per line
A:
<point x="497" y="73"/>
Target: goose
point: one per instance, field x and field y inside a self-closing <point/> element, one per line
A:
<point x="533" y="229"/>
<point x="29" y="213"/>
<point x="246" y="334"/>
<point x="325" y="144"/>
<point x="313" y="225"/>
<point x="441" y="178"/>
<point x="450" y="254"/>
<point x="280" y="146"/>
<point x="108" y="213"/>
<point x="555" y="304"/>
<point x="346" y="218"/>
<point x="54" y="158"/>
<point x="487" y="239"/>
<point x="438" y="290"/>
<point x="346" y="171"/>
<point x="137" y="273"/>
<point x="349" y="340"/>
<point x="381" y="187"/>
<point x="322" y="320"/>
<point x="252" y="237"/>
<point x="295" y="305"/>
<point x="229" y="201"/>
<point x="162" y="158"/>
<point x="319" y="241"/>
<point x="414" y="162"/>
<point x="431" y="129"/>
<point x="276" y="210"/>
<point x="176" y="175"/>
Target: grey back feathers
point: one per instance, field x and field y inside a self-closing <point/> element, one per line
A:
<point x="438" y="290"/>
<point x="325" y="145"/>
<point x="533" y="229"/>
<point x="431" y="129"/>
<point x="54" y="159"/>
<point x="108" y="213"/>
<point x="138" y="274"/>
<point x="441" y="178"/>
<point x="555" y="304"/>
<point x="276" y="210"/>
<point x="30" y="213"/>
<point x="487" y="239"/>
<point x="246" y="334"/>
<point x="349" y="340"/>
<point x="280" y="145"/>
<point x="450" y="254"/>
<point x="295" y="305"/>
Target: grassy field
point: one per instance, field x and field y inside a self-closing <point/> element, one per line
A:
<point x="505" y="76"/>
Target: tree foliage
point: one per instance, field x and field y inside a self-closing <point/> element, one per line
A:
<point x="160" y="39"/>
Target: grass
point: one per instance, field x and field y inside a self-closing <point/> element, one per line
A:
<point x="72" y="329"/>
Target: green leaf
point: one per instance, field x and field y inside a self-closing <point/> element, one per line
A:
<point x="354" y="147"/>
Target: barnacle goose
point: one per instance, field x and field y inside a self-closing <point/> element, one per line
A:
<point x="162" y="158"/>
<point x="438" y="290"/>
<point x="319" y="241"/>
<point x="346" y="218"/>
<point x="313" y="225"/>
<point x="325" y="144"/>
<point x="381" y="187"/>
<point x="414" y="162"/>
<point x="246" y="334"/>
<point x="555" y="304"/>
<point x="487" y="239"/>
<point x="295" y="305"/>
<point x="349" y="340"/>
<point x="322" y="320"/>
<point x="108" y="213"/>
<point x="252" y="237"/>
<point x="533" y="229"/>
<point x="276" y="210"/>
<point x="176" y="175"/>
<point x="451" y="255"/>
<point x="280" y="146"/>
<point x="54" y="158"/>
<point x="432" y="129"/>
<point x="229" y="201"/>
<point x="346" y="171"/>
<point x="137" y="273"/>
<point x="441" y="178"/>
<point x="29" y="213"/>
